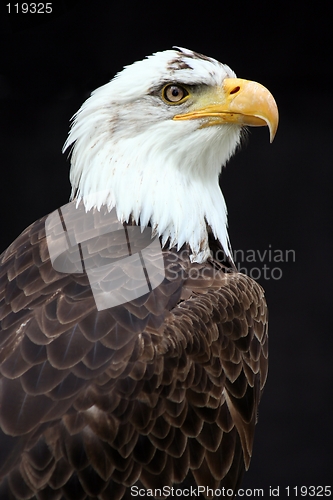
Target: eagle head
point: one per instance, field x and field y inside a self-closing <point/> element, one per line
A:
<point x="152" y="143"/>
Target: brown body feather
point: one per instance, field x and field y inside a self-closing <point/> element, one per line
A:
<point x="159" y="391"/>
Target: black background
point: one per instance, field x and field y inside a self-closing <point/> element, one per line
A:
<point x="279" y="196"/>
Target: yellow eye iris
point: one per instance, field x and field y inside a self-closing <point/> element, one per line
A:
<point x="174" y="94"/>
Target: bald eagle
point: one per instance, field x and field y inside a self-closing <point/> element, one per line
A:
<point x="133" y="364"/>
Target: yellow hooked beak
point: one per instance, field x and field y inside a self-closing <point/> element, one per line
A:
<point x="237" y="101"/>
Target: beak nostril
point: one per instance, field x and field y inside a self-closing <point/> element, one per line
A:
<point x="235" y="90"/>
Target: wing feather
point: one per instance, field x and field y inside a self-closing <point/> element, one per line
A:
<point x="158" y="391"/>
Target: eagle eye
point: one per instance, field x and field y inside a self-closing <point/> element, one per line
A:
<point x="174" y="94"/>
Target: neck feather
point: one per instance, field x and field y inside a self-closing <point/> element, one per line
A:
<point x="174" y="186"/>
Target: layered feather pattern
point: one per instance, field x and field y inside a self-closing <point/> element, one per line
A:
<point x="161" y="390"/>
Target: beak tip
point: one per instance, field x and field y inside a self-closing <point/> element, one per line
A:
<point x="272" y="131"/>
<point x="273" y="122"/>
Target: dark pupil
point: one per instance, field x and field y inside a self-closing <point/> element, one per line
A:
<point x="175" y="92"/>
